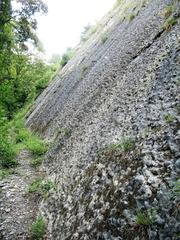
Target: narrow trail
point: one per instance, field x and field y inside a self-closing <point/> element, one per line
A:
<point x="17" y="210"/>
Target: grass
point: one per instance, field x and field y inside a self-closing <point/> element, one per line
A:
<point x="5" y="173"/>
<point x="131" y="16"/>
<point x="168" y="11"/>
<point x="169" y="118"/>
<point x="14" y="138"/>
<point x="170" y="22"/>
<point x="36" y="162"/>
<point x="176" y="189"/>
<point x="35" y="145"/>
<point x="40" y="187"/>
<point x="146" y="218"/>
<point x="125" y="145"/>
<point x="168" y="15"/>
<point x="38" y="228"/>
<point x="104" y="37"/>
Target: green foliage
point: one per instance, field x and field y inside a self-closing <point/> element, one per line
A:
<point x="7" y="154"/>
<point x="5" y="172"/>
<point x="36" y="162"/>
<point x="41" y="187"/>
<point x="104" y="38"/>
<point x="36" y="145"/>
<point x="176" y="189"/>
<point x="66" y="57"/>
<point x="168" y="10"/>
<point x="125" y="145"/>
<point x="169" y="118"/>
<point x="170" y="22"/>
<point x="146" y="218"/>
<point x="38" y="228"/>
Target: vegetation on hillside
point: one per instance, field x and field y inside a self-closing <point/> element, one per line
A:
<point x="23" y="76"/>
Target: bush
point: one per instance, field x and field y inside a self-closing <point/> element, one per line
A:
<point x="38" y="228"/>
<point x="36" y="145"/>
<point x="7" y="154"/>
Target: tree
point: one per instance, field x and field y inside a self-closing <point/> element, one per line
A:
<point x="21" y="20"/>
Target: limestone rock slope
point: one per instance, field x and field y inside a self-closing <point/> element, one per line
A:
<point x="112" y="115"/>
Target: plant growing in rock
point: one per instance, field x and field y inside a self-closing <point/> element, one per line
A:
<point x="40" y="187"/>
<point x="176" y="189"/>
<point x="146" y="218"/>
<point x="38" y="228"/>
<point x="125" y="145"/>
<point x="169" y="118"/>
<point x="168" y="11"/>
<point x="36" y="162"/>
<point x="131" y="16"/>
<point x="104" y="37"/>
<point x="170" y="22"/>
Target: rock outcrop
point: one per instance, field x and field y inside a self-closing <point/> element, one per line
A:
<point x="112" y="117"/>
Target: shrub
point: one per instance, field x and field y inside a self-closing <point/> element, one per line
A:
<point x="7" y="154"/>
<point x="66" y="57"/>
<point x="38" y="228"/>
<point x="36" y="145"/>
<point x="22" y="135"/>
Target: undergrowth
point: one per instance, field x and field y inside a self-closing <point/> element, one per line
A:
<point x="14" y="137"/>
<point x="40" y="187"/>
<point x="38" y="228"/>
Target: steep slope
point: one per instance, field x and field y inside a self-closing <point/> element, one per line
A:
<point x="112" y="115"/>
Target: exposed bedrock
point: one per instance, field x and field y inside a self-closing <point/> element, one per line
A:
<point x="112" y="115"/>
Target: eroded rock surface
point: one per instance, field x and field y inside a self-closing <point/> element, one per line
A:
<point x="124" y="88"/>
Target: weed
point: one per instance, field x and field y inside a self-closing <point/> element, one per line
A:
<point x="41" y="187"/>
<point x="146" y="218"/>
<point x="168" y="11"/>
<point x="38" y="228"/>
<point x="7" y="154"/>
<point x="131" y="16"/>
<point x="171" y="21"/>
<point x="169" y="118"/>
<point x="125" y="145"/>
<point x="5" y="172"/>
<point x="104" y="38"/>
<point x="176" y="189"/>
<point x="36" y="145"/>
<point x="36" y="162"/>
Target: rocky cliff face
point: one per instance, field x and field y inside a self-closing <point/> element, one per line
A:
<point x="112" y="115"/>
